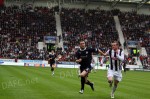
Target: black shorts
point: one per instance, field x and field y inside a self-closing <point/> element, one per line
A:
<point x="88" y="69"/>
<point x="51" y="63"/>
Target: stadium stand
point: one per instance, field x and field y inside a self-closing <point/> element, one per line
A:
<point x="81" y="24"/>
<point x="136" y="27"/>
<point x="21" y="28"/>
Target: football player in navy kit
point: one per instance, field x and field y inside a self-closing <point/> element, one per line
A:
<point x="84" y="57"/>
<point x="52" y="57"/>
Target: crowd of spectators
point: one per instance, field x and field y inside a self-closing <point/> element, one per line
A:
<point x="21" y="27"/>
<point x="145" y="60"/>
<point x="136" y="27"/>
<point x="96" y="27"/>
<point x="130" y="60"/>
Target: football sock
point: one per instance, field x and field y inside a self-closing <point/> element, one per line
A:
<point x="114" y="89"/>
<point x="52" y="69"/>
<point x="82" y="83"/>
<point x="88" y="83"/>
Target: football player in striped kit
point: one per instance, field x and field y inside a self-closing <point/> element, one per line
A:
<point x="114" y="73"/>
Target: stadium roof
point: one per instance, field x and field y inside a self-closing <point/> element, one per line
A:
<point x="125" y="1"/>
<point x="139" y="3"/>
<point x="113" y="3"/>
<point x="128" y="1"/>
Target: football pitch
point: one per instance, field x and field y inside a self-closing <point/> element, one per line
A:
<point x="37" y="83"/>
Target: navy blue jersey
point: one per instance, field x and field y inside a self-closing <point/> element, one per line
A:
<point x="86" y="56"/>
<point x="53" y="56"/>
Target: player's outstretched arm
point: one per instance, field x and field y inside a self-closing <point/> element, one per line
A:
<point x="104" y="54"/>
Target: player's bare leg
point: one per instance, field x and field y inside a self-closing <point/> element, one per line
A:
<point x="114" y="88"/>
<point x="52" y="68"/>
<point x="110" y="81"/>
<point x="83" y="74"/>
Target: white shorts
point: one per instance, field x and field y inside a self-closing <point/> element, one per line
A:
<point x="92" y="65"/>
<point x="117" y="75"/>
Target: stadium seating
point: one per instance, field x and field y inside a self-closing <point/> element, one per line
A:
<point x="93" y="26"/>
<point x="135" y="27"/>
<point x="21" y="28"/>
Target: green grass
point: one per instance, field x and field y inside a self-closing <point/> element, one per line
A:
<point x="37" y="83"/>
